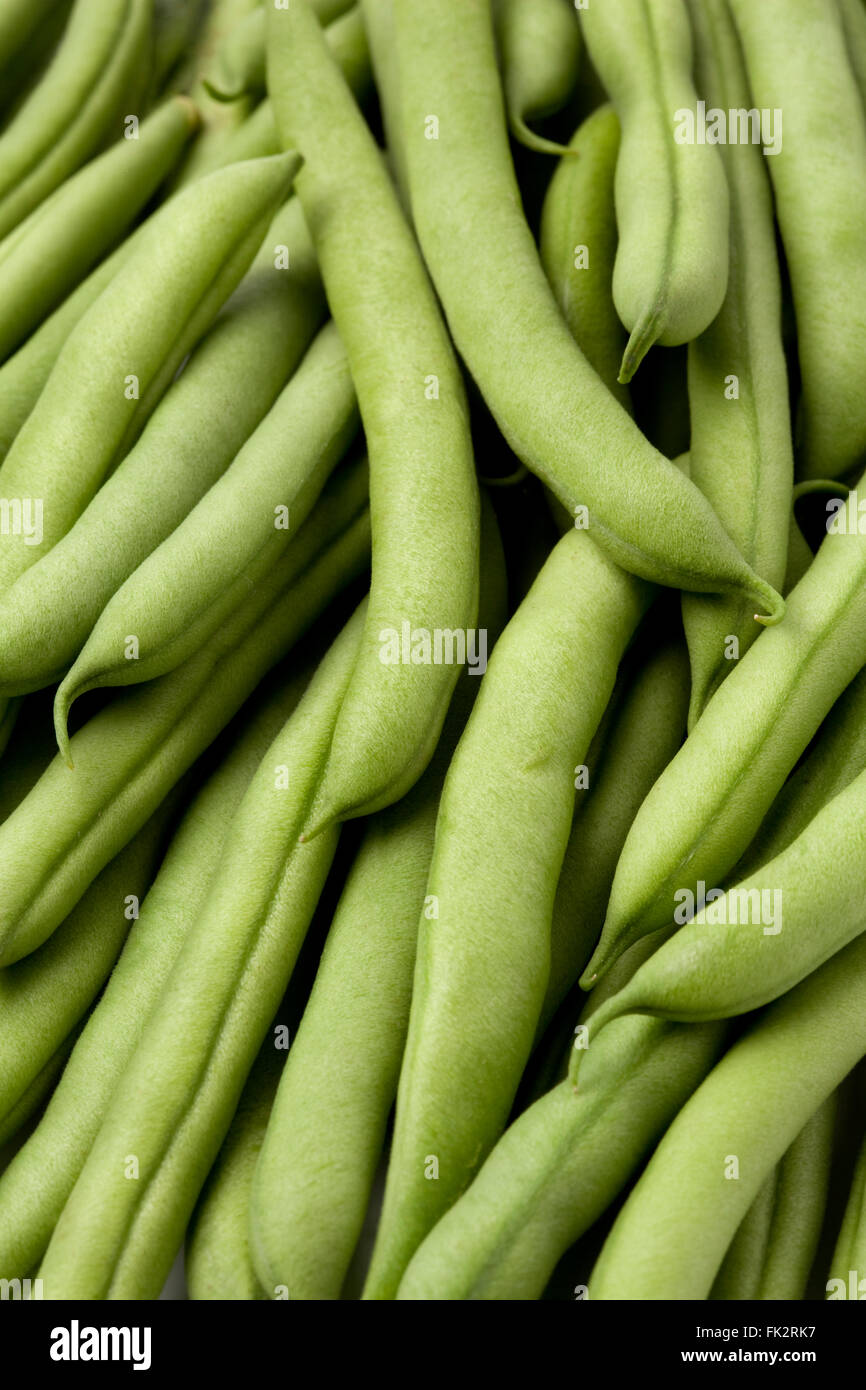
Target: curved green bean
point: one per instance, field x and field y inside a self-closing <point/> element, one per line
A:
<point x="19" y="19"/>
<point x="714" y="1158"/>
<point x="539" y="48"/>
<point x="847" y="1273"/>
<point x="423" y="493"/>
<point x="741" y="450"/>
<point x="555" y="412"/>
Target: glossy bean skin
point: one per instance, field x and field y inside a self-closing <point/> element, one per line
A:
<point x="117" y="1239"/>
<point x="88" y="214"/>
<point x="741" y="450"/>
<point x="559" y="1166"/>
<point x="849" y="1254"/>
<point x="539" y="47"/>
<point x="425" y="518"/>
<point x="797" y="62"/>
<point x="671" y="268"/>
<point x="36" y="1185"/>
<point x="578" y="213"/>
<point x="751" y="1107"/>
<point x="89" y="413"/>
<point x="101" y="65"/>
<point x="204" y="419"/>
<point x="504" y="822"/>
<point x="772" y="1253"/>
<point x="230" y="538"/>
<point x="646" y="730"/>
<point x="313" y="1181"/>
<point x="508" y="327"/>
<point x="703" y="811"/>
<point x="133" y="751"/>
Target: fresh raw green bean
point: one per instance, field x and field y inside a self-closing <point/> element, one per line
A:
<point x="772" y="1253"/>
<point x="35" y="1096"/>
<point x="509" y="329"/>
<point x="229" y="540"/>
<point x="134" y="750"/>
<point x="578" y="245"/>
<point x="313" y="1182"/>
<point x="423" y="492"/>
<point x="101" y="65"/>
<point x="853" y="18"/>
<point x="239" y="66"/>
<point x="116" y="1239"/>
<point x="19" y="19"/>
<point x="671" y="267"/>
<point x="800" y="555"/>
<point x="43" y="998"/>
<point x="501" y="835"/>
<point x="714" y="1158"/>
<point x="539" y="48"/>
<point x="846" y="1277"/>
<point x="85" y="216"/>
<point x="646" y="729"/>
<point x="175" y="22"/>
<point x="218" y="1263"/>
<point x="202" y="421"/>
<point x="122" y="356"/>
<point x="741" y="450"/>
<point x="559" y="1166"/>
<point x="37" y="1183"/>
<point x="797" y="61"/>
<point x="705" y="808"/>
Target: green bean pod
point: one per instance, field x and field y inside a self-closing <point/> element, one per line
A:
<point x="853" y="19"/>
<point x="217" y="1262"/>
<point x="671" y="268"/>
<point x="101" y="64"/>
<point x="85" y="216"/>
<point x="708" y="803"/>
<point x="772" y="1253"/>
<point x="229" y="540"/>
<point x="646" y="730"/>
<point x="557" y="415"/>
<point x="559" y="1166"/>
<point x="37" y="1184"/>
<point x="19" y="19"/>
<point x="741" y="450"/>
<point x="501" y="835"/>
<point x="539" y="48"/>
<point x="131" y="753"/>
<point x="116" y="1238"/>
<point x="35" y="1096"/>
<point x="798" y="65"/>
<point x="846" y="1277"/>
<point x="175" y="24"/>
<point x="578" y="244"/>
<point x="204" y="419"/>
<point x="124" y="353"/>
<point x="423" y="492"/>
<point x="715" y="1157"/>
<point x="239" y="66"/>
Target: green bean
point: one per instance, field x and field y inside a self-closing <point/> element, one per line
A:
<point x="134" y="750"/>
<point x="86" y="215"/>
<point x="741" y="450"/>
<point x="578" y="245"/>
<point x="413" y="408"/>
<point x="772" y="1253"/>
<point x="44" y="997"/>
<point x="116" y="1237"/>
<point x="559" y="1166"/>
<point x="218" y="1263"/>
<point x="671" y="267"/>
<point x="175" y="22"/>
<point x="507" y="325"/>
<point x="32" y="60"/>
<point x="19" y="20"/>
<point x="34" y="1097"/>
<point x="36" y="1185"/>
<point x="853" y="18"/>
<point x="239" y="66"/>
<point x="122" y="356"/>
<point x="101" y="63"/>
<point x="646" y="729"/>
<point x="539" y="46"/>
<point x="708" y="803"/>
<point x="846" y="1277"/>
<point x="313" y="1182"/>
<point x="714" y="1158"/>
<point x="202" y="421"/>
<point x="797" y="62"/>
<point x="503" y="822"/>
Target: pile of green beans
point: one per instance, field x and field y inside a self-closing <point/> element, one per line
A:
<point x="432" y="820"/>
